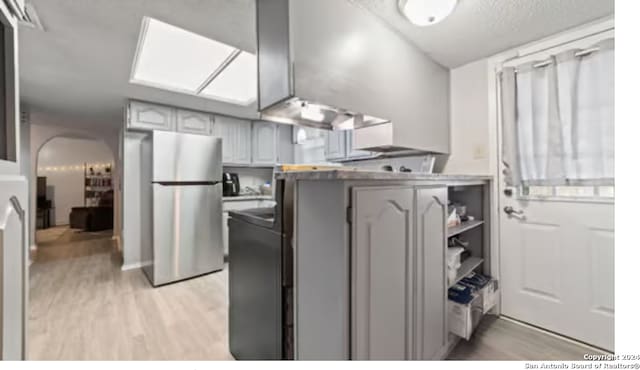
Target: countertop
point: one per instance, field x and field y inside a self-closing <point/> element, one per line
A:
<point x="239" y="198"/>
<point x="355" y="174"/>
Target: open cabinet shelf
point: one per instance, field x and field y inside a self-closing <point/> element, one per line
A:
<point x="468" y="225"/>
<point x="468" y="265"/>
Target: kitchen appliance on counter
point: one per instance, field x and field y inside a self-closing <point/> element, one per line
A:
<point x="181" y="205"/>
<point x="230" y="184"/>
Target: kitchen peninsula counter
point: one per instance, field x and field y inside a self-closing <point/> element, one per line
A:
<point x="355" y="174"/>
<point x="368" y="251"/>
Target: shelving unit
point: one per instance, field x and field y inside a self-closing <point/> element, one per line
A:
<point x="95" y="185"/>
<point x="468" y="225"/>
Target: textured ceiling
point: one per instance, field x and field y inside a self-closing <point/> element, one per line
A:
<point x="481" y="28"/>
<point x="77" y="71"/>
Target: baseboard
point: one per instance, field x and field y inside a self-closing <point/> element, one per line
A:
<point x="555" y="335"/>
<point x="132" y="266"/>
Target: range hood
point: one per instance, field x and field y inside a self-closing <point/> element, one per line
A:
<point x="331" y="64"/>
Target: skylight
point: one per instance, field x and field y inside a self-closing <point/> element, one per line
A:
<point x="171" y="58"/>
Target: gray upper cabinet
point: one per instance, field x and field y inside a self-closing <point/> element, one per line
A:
<point x="224" y="128"/>
<point x="336" y="145"/>
<point x="339" y="147"/>
<point x="353" y="153"/>
<point x="145" y="116"/>
<point x="242" y="152"/>
<point x="285" y="144"/>
<point x="265" y="143"/>
<point x="191" y="122"/>
<point x="431" y="291"/>
<point x="236" y="139"/>
<point x="382" y="314"/>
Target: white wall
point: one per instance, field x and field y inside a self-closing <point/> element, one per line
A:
<point x="470" y="126"/>
<point x="62" y="161"/>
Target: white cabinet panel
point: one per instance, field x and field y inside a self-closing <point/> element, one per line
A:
<point x="145" y="116"/>
<point x="265" y="143"/>
<point x="194" y="122"/>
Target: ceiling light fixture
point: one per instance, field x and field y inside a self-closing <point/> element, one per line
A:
<point x="426" y="12"/>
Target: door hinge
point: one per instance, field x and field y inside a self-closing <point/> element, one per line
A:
<point x="349" y="215"/>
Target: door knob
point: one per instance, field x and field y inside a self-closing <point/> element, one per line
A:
<point x="512" y="212"/>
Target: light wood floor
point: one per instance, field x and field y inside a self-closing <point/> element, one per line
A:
<point x="500" y="339"/>
<point x="83" y="307"/>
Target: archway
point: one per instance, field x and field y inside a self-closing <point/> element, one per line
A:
<point x="73" y="194"/>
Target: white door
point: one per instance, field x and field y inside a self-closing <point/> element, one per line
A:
<point x="557" y="267"/>
<point x="557" y="259"/>
<point x="13" y="201"/>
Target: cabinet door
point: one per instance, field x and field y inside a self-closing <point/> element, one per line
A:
<point x="147" y="116"/>
<point x="336" y="145"/>
<point x="191" y="122"/>
<point x="242" y="149"/>
<point x="431" y="290"/>
<point x="224" y="128"/>
<point x="354" y="153"/>
<point x="265" y="143"/>
<point x="382" y="267"/>
<point x="285" y="144"/>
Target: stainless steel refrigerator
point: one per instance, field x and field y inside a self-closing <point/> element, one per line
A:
<point x="181" y="206"/>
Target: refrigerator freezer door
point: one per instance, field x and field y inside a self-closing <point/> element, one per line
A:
<point x="184" y="157"/>
<point x="187" y="231"/>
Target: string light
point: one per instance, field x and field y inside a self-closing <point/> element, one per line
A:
<point x="70" y="168"/>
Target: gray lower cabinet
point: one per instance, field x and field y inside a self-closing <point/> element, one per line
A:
<point x="383" y="273"/>
<point x="398" y="285"/>
<point x="145" y="116"/>
<point x="265" y="143"/>
<point x="431" y="290"/>
<point x="191" y="122"/>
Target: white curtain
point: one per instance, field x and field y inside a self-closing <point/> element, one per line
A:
<point x="558" y="118"/>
